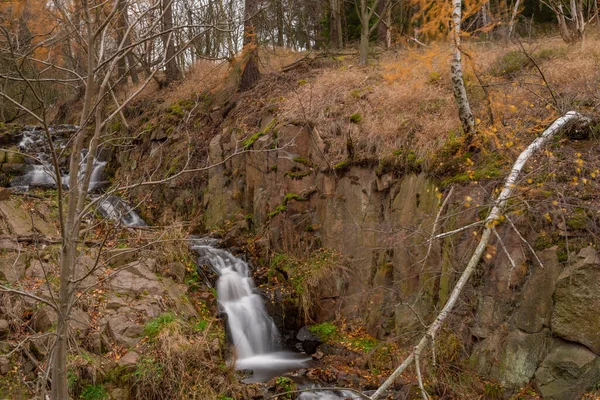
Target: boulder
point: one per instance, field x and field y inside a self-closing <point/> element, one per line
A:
<point x="120" y="257"/>
<point x="520" y="356"/>
<point x="567" y="372"/>
<point x="128" y="361"/>
<point x="535" y="309"/>
<point x="43" y="319"/>
<point x="12" y="267"/>
<point x="124" y="330"/>
<point x="175" y="270"/>
<point x="577" y="301"/>
<point x="79" y="322"/>
<point x="4" y="365"/>
<point x="4" y="328"/>
<point x="135" y="280"/>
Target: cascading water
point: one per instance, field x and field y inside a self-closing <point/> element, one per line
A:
<point x="252" y="330"/>
<point x="42" y="173"/>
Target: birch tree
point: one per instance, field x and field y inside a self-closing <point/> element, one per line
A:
<point x="561" y="124"/>
<point x="458" y="84"/>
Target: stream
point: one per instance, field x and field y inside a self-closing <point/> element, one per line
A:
<point x="257" y="342"/>
<point x="38" y="172"/>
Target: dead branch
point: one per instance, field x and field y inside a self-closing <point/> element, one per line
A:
<point x="491" y="221"/>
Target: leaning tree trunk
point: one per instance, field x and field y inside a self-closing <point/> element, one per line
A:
<point x="491" y="221"/>
<point x="458" y="84"/>
<point x="364" y="33"/>
<point x="250" y="71"/>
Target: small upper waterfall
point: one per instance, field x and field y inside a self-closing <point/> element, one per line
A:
<point x="252" y="330"/>
<point x="39" y="171"/>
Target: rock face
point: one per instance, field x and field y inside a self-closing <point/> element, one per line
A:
<point x="577" y="301"/>
<point x="568" y="371"/>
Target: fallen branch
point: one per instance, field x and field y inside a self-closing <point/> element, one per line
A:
<point x="491" y="221"/>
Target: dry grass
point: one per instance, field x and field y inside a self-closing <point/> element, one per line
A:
<point x="180" y="364"/>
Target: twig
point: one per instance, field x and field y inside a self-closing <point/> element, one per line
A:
<point x="525" y="241"/>
<point x="512" y="262"/>
<point x="320" y="389"/>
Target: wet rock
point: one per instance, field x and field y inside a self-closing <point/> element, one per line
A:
<point x="4" y="328"/>
<point x="577" y="301"/>
<point x="568" y="371"/>
<point x="308" y="341"/>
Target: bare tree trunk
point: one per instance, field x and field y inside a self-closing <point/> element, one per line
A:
<point x="364" y="32"/>
<point x="366" y="29"/>
<point x="511" y="24"/>
<point x="172" y="72"/>
<point x="335" y="24"/>
<point x="280" y="17"/>
<point x="491" y="221"/>
<point x="250" y="71"/>
<point x="458" y="84"/>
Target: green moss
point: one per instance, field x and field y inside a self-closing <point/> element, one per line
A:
<point x="291" y="196"/>
<point x="302" y="82"/>
<point x="434" y="78"/>
<point x="278" y="210"/>
<point x="176" y="110"/>
<point x="355" y="118"/>
<point x="274" y="168"/>
<point x="325" y="331"/>
<point x="579" y="220"/>
<point x="249" y="142"/>
<point x="156" y="325"/>
<point x="298" y="174"/>
<point x="342" y="165"/>
<point x="303" y="161"/>
<point x="284" y="385"/>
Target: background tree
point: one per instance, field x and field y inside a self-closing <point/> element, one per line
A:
<point x="250" y="70"/>
<point x="369" y="20"/>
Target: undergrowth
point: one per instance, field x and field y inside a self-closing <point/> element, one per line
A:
<point x="308" y="276"/>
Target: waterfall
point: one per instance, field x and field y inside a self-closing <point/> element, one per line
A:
<point x="252" y="331"/>
<point x="42" y="174"/>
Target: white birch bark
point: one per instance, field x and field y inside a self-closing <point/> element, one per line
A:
<point x="458" y="84"/>
<point x="492" y="219"/>
<point x="511" y="24"/>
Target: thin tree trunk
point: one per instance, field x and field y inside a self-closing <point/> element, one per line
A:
<point x="511" y="24"/>
<point x="172" y="72"/>
<point x="335" y="29"/>
<point x="250" y="71"/>
<point x="458" y="84"/>
<point x="280" y="17"/>
<point x="491" y="221"/>
<point x="364" y="33"/>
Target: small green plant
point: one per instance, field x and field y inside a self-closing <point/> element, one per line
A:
<point x="176" y="110"/>
<point x="303" y="160"/>
<point x="201" y="325"/>
<point x="156" y="325"/>
<point x="278" y="210"/>
<point x="355" y="118"/>
<point x="94" y="392"/>
<point x="285" y="385"/>
<point x="326" y="331"/>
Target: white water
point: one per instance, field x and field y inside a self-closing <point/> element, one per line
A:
<point x="116" y="209"/>
<point x="252" y="330"/>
